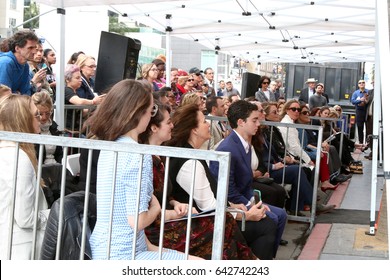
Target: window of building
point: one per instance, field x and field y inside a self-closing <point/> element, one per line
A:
<point x="12" y="4"/>
<point x="12" y="22"/>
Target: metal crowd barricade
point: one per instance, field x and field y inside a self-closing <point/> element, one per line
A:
<point x="333" y="124"/>
<point x="66" y="142"/>
<point x="77" y="115"/>
<point x="309" y="219"/>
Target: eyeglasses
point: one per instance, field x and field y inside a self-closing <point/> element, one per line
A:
<point x="190" y="80"/>
<point x="265" y="83"/>
<point x="37" y="115"/>
<point x="47" y="114"/>
<point x="198" y="74"/>
<point x="305" y="113"/>
<point x="294" y="109"/>
<point x="154" y="110"/>
<point x="91" y="66"/>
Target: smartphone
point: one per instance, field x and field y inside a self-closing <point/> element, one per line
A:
<point x="257" y="196"/>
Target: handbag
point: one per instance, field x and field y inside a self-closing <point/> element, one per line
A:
<point x="265" y="180"/>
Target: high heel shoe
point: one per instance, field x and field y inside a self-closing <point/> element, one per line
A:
<point x="329" y="187"/>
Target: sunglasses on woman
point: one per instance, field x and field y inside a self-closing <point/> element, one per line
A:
<point x="294" y="109"/>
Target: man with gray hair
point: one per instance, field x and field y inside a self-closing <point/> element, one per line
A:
<point x="14" y="70"/>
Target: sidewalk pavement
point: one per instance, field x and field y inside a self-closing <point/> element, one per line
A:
<point x="341" y="234"/>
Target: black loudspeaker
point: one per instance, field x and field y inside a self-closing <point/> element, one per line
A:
<point x="118" y="58"/>
<point x="250" y="84"/>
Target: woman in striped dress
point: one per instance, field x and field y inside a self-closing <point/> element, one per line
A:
<point x="125" y="114"/>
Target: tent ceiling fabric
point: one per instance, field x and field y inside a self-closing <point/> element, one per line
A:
<point x="276" y="30"/>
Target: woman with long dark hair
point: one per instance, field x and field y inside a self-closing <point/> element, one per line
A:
<point x="122" y="118"/>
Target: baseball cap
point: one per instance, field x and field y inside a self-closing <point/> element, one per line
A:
<point x="195" y="70"/>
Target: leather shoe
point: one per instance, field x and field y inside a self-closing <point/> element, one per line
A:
<point x="321" y="208"/>
<point x="283" y="242"/>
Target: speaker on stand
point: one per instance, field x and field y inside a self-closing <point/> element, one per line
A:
<point x="117" y="60"/>
<point x="250" y="84"/>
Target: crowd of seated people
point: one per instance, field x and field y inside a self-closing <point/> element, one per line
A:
<point x="150" y="111"/>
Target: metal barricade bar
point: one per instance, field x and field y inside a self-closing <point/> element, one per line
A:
<point x="222" y="157"/>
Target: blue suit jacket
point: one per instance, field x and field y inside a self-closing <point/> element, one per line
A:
<point x="241" y="176"/>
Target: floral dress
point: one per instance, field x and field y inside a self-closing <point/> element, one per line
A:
<point x="201" y="241"/>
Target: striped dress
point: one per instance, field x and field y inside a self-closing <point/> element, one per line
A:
<point x="124" y="206"/>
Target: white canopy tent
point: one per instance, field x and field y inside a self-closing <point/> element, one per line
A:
<point x="283" y="30"/>
<point x="271" y="30"/>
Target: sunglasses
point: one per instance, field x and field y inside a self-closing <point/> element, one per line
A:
<point x="294" y="109"/>
<point x="361" y="83"/>
<point x="265" y="83"/>
<point x="154" y="110"/>
<point x="190" y="80"/>
<point x="305" y="113"/>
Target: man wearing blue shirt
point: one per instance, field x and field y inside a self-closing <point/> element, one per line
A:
<point x="360" y="100"/>
<point x="14" y="70"/>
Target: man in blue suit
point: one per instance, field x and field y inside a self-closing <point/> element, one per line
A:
<point x="244" y="120"/>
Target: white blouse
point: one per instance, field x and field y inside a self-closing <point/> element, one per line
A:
<point x="203" y="195"/>
<point x="24" y="214"/>
<point x="293" y="145"/>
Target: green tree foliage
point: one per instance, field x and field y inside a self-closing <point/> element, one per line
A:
<point x="119" y="27"/>
<point x="29" y="12"/>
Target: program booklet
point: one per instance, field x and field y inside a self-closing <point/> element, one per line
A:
<point x="196" y="215"/>
<point x="332" y="137"/>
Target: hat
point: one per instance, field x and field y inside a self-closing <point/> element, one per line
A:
<point x="195" y="70"/>
<point x="311" y="80"/>
<point x="181" y="72"/>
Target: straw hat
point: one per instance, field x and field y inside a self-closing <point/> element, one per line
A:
<point x="311" y="80"/>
